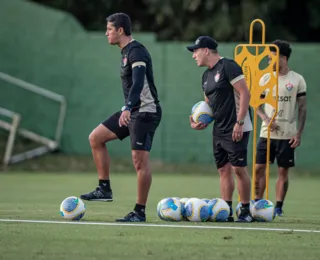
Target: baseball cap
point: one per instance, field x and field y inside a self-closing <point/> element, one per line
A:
<point x="203" y="42"/>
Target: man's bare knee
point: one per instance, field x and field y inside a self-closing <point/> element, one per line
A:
<point x="225" y="170"/>
<point x="283" y="172"/>
<point x="240" y="171"/>
<point x="100" y="135"/>
<point x="140" y="160"/>
<point x="260" y="170"/>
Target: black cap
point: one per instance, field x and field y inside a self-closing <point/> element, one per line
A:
<point x="203" y="42"/>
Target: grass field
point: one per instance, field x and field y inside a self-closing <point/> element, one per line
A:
<point x="30" y="196"/>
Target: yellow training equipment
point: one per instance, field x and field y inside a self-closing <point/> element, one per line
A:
<point x="251" y="57"/>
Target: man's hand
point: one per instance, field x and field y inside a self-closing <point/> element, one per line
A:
<point x="124" y="118"/>
<point x="295" y="141"/>
<point x="273" y="126"/>
<point x="237" y="132"/>
<point x="197" y="126"/>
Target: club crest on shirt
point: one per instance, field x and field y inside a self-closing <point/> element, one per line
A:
<point x="217" y="77"/>
<point x="124" y="61"/>
<point x="289" y="86"/>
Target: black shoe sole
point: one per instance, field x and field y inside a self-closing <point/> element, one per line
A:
<point x="101" y="200"/>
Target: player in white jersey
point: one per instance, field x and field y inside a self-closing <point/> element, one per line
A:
<point x="284" y="136"/>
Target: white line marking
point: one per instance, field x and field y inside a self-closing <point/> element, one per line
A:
<point x="158" y="225"/>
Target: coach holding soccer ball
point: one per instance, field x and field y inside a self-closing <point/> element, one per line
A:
<point x="226" y="91"/>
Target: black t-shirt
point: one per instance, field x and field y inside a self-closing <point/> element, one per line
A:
<point x="223" y="98"/>
<point x="132" y="53"/>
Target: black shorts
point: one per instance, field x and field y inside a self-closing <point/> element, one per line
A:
<point x="141" y="128"/>
<point x="226" y="150"/>
<point x="279" y="149"/>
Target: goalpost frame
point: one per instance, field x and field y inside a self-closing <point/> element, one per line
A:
<point x="13" y="128"/>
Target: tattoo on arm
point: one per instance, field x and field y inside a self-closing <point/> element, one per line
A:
<point x="302" y="113"/>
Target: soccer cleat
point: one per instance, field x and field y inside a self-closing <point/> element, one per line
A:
<point x="278" y="212"/>
<point x="98" y="195"/>
<point x="132" y="217"/>
<point x="245" y="216"/>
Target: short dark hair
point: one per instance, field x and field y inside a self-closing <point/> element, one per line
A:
<point x="284" y="48"/>
<point x="121" y="20"/>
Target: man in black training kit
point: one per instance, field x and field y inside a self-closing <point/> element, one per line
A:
<point x="139" y="117"/>
<point x="226" y="91"/>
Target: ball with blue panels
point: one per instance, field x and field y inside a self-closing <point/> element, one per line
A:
<point x="170" y="209"/>
<point x="263" y="211"/>
<point x="159" y="212"/>
<point x="196" y="210"/>
<point x="238" y="208"/>
<point x="72" y="208"/>
<point x="219" y="210"/>
<point x="183" y="209"/>
<point x="206" y="200"/>
<point x="202" y="112"/>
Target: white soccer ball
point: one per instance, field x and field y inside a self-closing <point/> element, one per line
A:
<point x="219" y="210"/>
<point x="202" y="112"/>
<point x="263" y="211"/>
<point x="72" y="208"/>
<point x="238" y="208"/>
<point x="170" y="209"/>
<point x="159" y="213"/>
<point x="197" y="210"/>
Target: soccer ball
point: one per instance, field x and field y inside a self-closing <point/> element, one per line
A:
<point x="219" y="210"/>
<point x="159" y="213"/>
<point x="183" y="209"/>
<point x="238" y="208"/>
<point x="263" y="211"/>
<point x="72" y="208"/>
<point x="206" y="200"/>
<point x="197" y="210"/>
<point x="202" y="112"/>
<point x="170" y="209"/>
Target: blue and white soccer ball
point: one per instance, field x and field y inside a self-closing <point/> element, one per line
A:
<point x="263" y="211"/>
<point x="219" y="210"/>
<point x="197" y="210"/>
<point x="170" y="209"/>
<point x="202" y="112"/>
<point x="159" y="213"/>
<point x="238" y="208"/>
<point x="183" y="209"/>
<point x="206" y="200"/>
<point x="72" y="208"/>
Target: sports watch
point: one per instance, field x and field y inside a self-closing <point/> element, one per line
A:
<point x="240" y="122"/>
<point x="125" y="108"/>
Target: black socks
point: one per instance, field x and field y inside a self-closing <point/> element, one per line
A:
<point x="140" y="210"/>
<point x="105" y="185"/>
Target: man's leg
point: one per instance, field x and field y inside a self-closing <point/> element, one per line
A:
<point x="260" y="167"/>
<point x="285" y="159"/>
<point x="260" y="183"/>
<point x="282" y="186"/>
<point x="225" y="173"/>
<point x="226" y="182"/>
<point x="142" y="130"/>
<point x="237" y="155"/>
<point x="107" y="131"/>
<point x="142" y="165"/>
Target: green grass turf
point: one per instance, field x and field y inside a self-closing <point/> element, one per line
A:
<point x="38" y="197"/>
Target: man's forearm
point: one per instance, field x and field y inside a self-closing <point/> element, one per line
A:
<point x="262" y="114"/>
<point x="244" y="105"/>
<point x="302" y="114"/>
